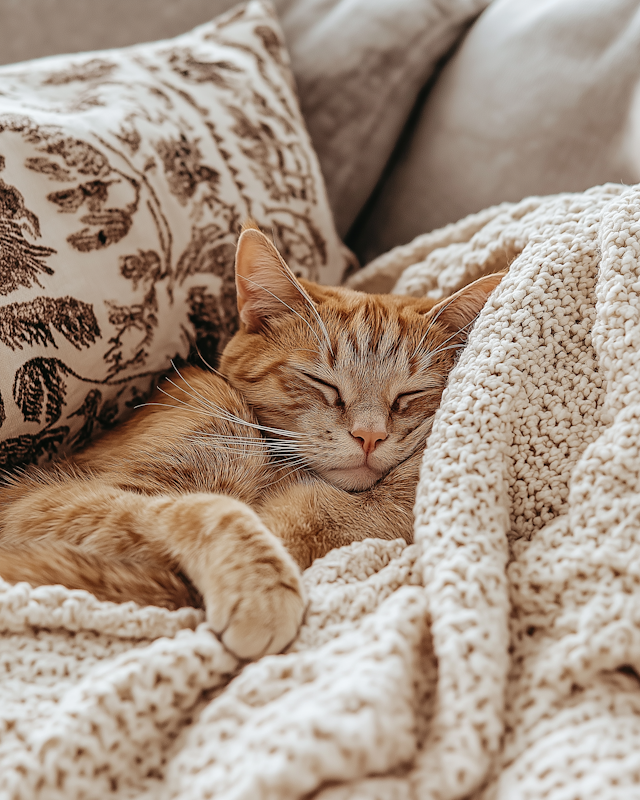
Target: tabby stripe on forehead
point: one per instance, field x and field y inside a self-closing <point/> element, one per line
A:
<point x="378" y="324"/>
<point x="351" y="337"/>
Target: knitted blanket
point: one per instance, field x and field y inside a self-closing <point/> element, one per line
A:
<point x="494" y="658"/>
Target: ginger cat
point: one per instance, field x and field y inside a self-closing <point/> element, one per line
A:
<point x="225" y="485"/>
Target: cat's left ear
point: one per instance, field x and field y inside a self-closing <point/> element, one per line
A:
<point x="265" y="285"/>
<point x="459" y="310"/>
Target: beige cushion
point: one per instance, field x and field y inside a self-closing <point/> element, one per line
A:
<point x="359" y="64"/>
<point x="539" y="99"/>
<point x="124" y="178"/>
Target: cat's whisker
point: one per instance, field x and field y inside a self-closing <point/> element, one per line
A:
<point x="265" y="428"/>
<point x="244" y="445"/>
<point x="229" y="416"/>
<point x="201" y="403"/>
<point x="271" y="444"/>
<point x="297" y="447"/>
<point x="200" y="409"/>
<point x="237" y="437"/>
<point x="193" y="410"/>
<point x="256" y="448"/>
<point x="284" y="456"/>
<point x="179" y="400"/>
<point x="286" y="475"/>
<point x="449" y="347"/>
<point x="291" y="460"/>
<point x="207" y="364"/>
<point x="203" y="400"/>
<point x="280" y="462"/>
<point x="228" y="448"/>
<point x="453" y="335"/>
<point x="250" y="447"/>
<point x="427" y="332"/>
<point x="258" y="442"/>
<point x="293" y="311"/>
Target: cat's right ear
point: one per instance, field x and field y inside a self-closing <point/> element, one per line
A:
<point x="265" y="285"/>
<point x="460" y="309"/>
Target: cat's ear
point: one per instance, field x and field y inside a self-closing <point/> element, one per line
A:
<point x="458" y="311"/>
<point x="265" y="285"/>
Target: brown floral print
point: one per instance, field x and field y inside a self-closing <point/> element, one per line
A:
<point x="125" y="177"/>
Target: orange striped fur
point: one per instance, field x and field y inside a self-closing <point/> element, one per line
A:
<point x="225" y="485"/>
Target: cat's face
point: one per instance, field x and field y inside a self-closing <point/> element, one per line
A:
<point x="348" y="382"/>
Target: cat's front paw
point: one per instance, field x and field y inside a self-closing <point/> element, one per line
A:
<point x="255" y="601"/>
<point x="260" y="622"/>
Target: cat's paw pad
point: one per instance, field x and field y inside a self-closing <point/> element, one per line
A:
<point x="261" y="622"/>
<point x="256" y="604"/>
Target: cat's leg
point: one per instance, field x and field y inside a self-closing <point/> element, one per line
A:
<point x="250" y="585"/>
<point x="106" y="576"/>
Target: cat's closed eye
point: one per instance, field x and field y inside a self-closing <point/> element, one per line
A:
<point x="403" y="400"/>
<point x="331" y="392"/>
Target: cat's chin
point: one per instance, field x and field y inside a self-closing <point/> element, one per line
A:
<point x="355" y="479"/>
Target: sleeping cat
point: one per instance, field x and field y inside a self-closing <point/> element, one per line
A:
<point x="226" y="484"/>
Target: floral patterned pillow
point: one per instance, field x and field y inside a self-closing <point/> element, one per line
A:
<point x="124" y="178"/>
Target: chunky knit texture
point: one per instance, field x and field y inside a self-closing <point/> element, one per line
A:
<point x="495" y="658"/>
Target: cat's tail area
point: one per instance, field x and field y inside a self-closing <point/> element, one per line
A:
<point x="108" y="578"/>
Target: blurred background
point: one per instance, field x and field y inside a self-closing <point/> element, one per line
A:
<point x="421" y="111"/>
<point x="35" y="28"/>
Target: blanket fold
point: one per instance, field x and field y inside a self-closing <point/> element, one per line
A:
<point x="496" y="658"/>
<point x="529" y="497"/>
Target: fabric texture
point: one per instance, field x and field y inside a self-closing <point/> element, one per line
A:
<point x="522" y="586"/>
<point x="125" y="176"/>
<point x="99" y="699"/>
<point x="541" y="97"/>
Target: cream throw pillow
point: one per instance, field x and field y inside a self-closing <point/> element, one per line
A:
<point x="124" y="178"/>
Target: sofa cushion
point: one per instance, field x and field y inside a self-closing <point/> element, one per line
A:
<point x="359" y="65"/>
<point x="124" y="178"/>
<point x="538" y="99"/>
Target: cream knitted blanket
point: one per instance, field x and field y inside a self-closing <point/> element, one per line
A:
<point x="525" y="571"/>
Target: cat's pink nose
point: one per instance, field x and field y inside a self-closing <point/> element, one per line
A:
<point x="368" y="439"/>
